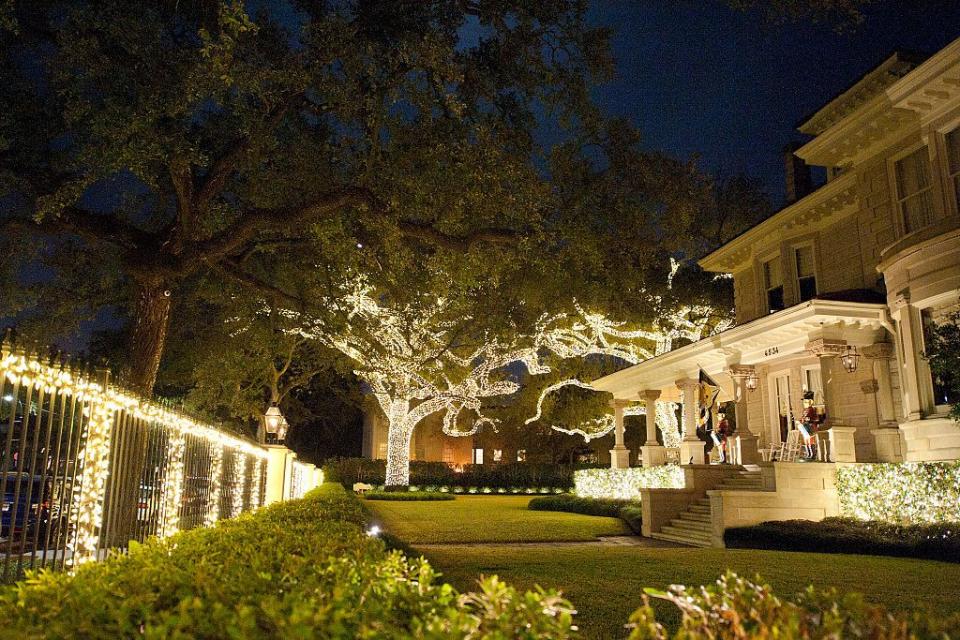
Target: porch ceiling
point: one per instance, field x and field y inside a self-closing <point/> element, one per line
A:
<point x="773" y="337"/>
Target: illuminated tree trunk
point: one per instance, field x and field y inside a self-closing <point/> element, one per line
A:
<point x="399" y="432"/>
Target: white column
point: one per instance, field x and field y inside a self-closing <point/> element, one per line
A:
<point x="747" y="441"/>
<point x="887" y="434"/>
<point x="652" y="453"/>
<point x="619" y="455"/>
<point x="908" y="321"/>
<point x="279" y="458"/>
<point x="691" y="447"/>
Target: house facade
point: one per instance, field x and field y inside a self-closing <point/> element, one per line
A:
<point x="837" y="292"/>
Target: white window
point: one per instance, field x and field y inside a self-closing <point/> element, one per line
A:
<point x="497" y="455"/>
<point x="521" y="455"/>
<point x="806" y="273"/>
<point x="915" y="190"/>
<point x="478" y="456"/>
<point x="953" y="162"/>
<point x="773" y="283"/>
<point x="813" y="382"/>
<point x="447" y="452"/>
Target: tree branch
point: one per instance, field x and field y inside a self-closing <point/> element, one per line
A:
<point x="428" y="233"/>
<point x="90" y="226"/>
<point x="235" y="272"/>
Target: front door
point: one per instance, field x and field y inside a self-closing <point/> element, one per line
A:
<point x="784" y="411"/>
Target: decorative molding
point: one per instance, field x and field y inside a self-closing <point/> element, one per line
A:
<point x="826" y="348"/>
<point x="741" y="370"/>
<point x="878" y="351"/>
<point x="869" y="386"/>
<point x="901" y="300"/>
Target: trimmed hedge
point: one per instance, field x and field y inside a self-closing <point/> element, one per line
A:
<point x="848" y="535"/>
<point x="408" y="496"/>
<point x="736" y="609"/>
<point x="440" y="474"/>
<point x="299" y="569"/>
<point x="628" y="510"/>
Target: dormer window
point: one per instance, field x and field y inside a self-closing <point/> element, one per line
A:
<point x="806" y="273"/>
<point x="773" y="283"/>
<point x="953" y="162"/>
<point x="915" y="190"/>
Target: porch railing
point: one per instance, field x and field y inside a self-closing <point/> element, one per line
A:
<point x="86" y="467"/>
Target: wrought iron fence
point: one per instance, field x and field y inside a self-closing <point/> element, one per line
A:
<point x="86" y="468"/>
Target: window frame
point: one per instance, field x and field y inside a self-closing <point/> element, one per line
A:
<point x="949" y="182"/>
<point x="795" y="248"/>
<point x="765" y="289"/>
<point x="899" y="199"/>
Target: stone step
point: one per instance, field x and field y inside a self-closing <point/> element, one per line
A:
<point x="698" y="516"/>
<point x="682" y="538"/>
<point x="692" y="525"/>
<point x="693" y="534"/>
<point x="699" y="508"/>
<point x="740" y="486"/>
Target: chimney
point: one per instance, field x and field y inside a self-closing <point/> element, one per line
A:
<point x="799" y="178"/>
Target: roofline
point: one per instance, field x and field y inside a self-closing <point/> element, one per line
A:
<point x="823" y="191"/>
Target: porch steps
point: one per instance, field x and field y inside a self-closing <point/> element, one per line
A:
<point x="694" y="526"/>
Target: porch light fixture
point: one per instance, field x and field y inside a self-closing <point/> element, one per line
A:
<point x="751" y="381"/>
<point x="273" y="419"/>
<point x="850" y="359"/>
<point x="282" y="429"/>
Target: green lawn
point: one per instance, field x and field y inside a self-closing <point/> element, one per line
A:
<point x="487" y="519"/>
<point x="605" y="583"/>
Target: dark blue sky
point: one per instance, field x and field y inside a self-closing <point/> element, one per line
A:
<point x="697" y="77"/>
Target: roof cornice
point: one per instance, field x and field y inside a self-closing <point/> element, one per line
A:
<point x="831" y="202"/>
<point x="931" y="88"/>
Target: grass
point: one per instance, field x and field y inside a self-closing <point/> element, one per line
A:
<point x="487" y="519"/>
<point x="605" y="583"/>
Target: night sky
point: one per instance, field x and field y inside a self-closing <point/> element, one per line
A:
<point x="699" y="78"/>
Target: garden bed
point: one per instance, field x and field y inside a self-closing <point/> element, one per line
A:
<point x="848" y="535"/>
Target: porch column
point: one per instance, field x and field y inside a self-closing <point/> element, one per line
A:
<point x="841" y="438"/>
<point x="691" y="447"/>
<point x="887" y="434"/>
<point x="908" y="321"/>
<point x="619" y="455"/>
<point x="652" y="452"/>
<point x="748" y="441"/>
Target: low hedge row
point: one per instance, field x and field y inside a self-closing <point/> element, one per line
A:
<point x="408" y="496"/>
<point x="422" y="473"/>
<point x="299" y="569"/>
<point x="628" y="510"/>
<point x="737" y="609"/>
<point x="848" y="535"/>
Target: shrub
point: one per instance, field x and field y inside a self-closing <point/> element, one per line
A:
<point x="630" y="512"/>
<point x="625" y="484"/>
<point x="848" y="535"/>
<point x="737" y="609"/>
<point x="440" y="474"/>
<point x="908" y="492"/>
<point x="297" y="569"/>
<point x="408" y="496"/>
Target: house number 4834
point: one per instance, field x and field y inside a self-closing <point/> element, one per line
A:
<point x="772" y="351"/>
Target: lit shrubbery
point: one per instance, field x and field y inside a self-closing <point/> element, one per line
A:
<point x="631" y="512"/>
<point x="625" y="484"/>
<point x="737" y="609"/>
<point x="300" y="569"/>
<point x="514" y="477"/>
<point x="913" y="492"/>
<point x="408" y="496"/>
<point x="848" y="535"/>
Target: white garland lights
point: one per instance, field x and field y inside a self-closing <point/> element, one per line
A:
<point x="239" y="476"/>
<point x="908" y="492"/>
<point x="100" y="404"/>
<point x="409" y="358"/>
<point x="216" y="474"/>
<point x="625" y="484"/>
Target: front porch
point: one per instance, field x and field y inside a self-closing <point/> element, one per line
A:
<point x="763" y="369"/>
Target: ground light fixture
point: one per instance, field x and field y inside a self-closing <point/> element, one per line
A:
<point x="850" y="359"/>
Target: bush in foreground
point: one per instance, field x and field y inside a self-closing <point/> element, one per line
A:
<point x="737" y="609"/>
<point x="299" y="569"/>
<point x="847" y="535"/>
<point x="408" y="496"/>
<point x="628" y="510"/>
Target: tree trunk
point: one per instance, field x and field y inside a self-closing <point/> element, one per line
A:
<point x="399" y="432"/>
<point x="151" y="317"/>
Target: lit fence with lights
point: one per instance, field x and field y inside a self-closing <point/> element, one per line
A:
<point x="86" y="467"/>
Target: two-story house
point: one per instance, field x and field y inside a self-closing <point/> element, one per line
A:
<point x="836" y="292"/>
